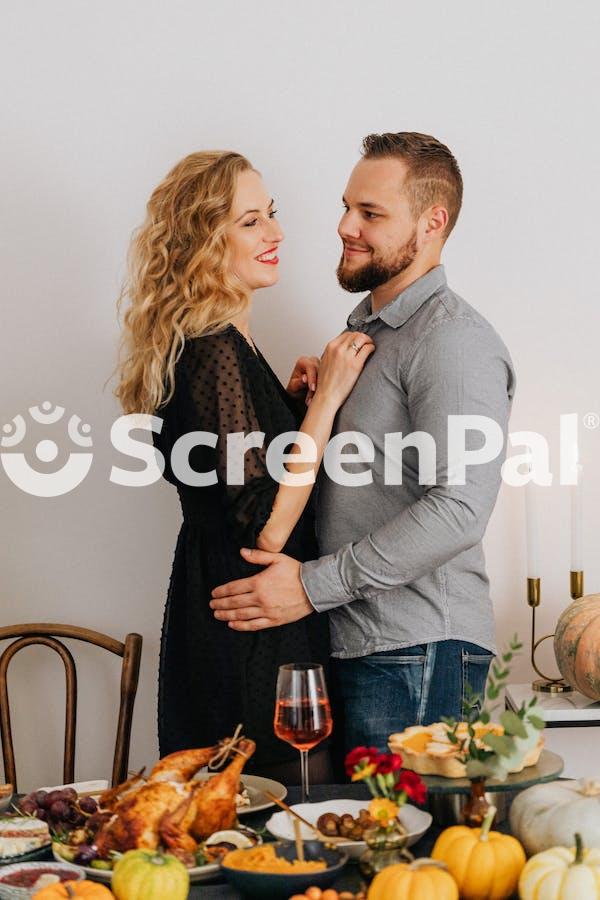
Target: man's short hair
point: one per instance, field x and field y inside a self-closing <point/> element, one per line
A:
<point x="433" y="174"/>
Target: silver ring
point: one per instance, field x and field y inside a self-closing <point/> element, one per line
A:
<point x="355" y="346"/>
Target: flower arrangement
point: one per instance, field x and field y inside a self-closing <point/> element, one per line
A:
<point x="390" y="785"/>
<point x="493" y="755"/>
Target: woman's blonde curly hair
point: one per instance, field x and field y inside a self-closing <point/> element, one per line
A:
<point x="179" y="284"/>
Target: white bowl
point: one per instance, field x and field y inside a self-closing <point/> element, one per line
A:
<point x="416" y="821"/>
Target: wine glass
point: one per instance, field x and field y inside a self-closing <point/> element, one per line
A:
<point x="302" y="711"/>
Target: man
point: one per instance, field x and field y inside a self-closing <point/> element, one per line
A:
<point x="402" y="575"/>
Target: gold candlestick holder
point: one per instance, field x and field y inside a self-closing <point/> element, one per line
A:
<point x="544" y="683"/>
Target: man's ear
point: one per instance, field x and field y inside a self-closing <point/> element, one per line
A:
<point x="436" y="221"/>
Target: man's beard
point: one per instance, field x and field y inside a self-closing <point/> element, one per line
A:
<point x="377" y="271"/>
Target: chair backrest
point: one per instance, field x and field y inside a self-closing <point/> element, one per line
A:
<point x="46" y="633"/>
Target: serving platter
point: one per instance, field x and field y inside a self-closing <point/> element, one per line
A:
<point x="196" y="873"/>
<point x="162" y="791"/>
<point x="256" y="786"/>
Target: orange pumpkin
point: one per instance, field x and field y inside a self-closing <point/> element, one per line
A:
<point x="423" y="879"/>
<point x="74" y="889"/>
<point x="577" y="645"/>
<point x="485" y="864"/>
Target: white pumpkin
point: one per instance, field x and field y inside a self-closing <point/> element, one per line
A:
<point x="548" y="815"/>
<point x="561" y="874"/>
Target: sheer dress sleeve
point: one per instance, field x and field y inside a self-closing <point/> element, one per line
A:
<point x="222" y="389"/>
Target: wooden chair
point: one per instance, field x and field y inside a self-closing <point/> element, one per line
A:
<point x="46" y="634"/>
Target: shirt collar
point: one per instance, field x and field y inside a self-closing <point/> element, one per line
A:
<point x="401" y="308"/>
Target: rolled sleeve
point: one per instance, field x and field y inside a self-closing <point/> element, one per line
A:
<point x="322" y="583"/>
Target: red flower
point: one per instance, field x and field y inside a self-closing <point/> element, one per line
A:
<point x="413" y="786"/>
<point x="360" y="755"/>
<point x="389" y="762"/>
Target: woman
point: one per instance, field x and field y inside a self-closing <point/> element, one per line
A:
<point x="209" y="241"/>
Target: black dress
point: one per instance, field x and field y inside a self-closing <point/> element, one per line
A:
<point x="212" y="677"/>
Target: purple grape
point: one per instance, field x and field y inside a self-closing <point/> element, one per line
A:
<point x="72" y="815"/>
<point x="59" y="809"/>
<point x="28" y="806"/>
<point x="41" y="798"/>
<point x="69" y="795"/>
<point x="88" y="805"/>
<point x="42" y="814"/>
<point x="85" y="855"/>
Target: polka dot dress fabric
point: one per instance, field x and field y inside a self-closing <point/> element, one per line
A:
<point x="210" y="676"/>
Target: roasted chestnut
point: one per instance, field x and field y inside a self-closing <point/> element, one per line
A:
<point x="329" y="824"/>
<point x="365" y="818"/>
<point x="346" y="825"/>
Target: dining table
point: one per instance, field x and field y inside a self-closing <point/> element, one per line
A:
<point x="350" y="879"/>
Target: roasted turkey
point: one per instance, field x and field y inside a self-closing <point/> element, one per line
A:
<point x="172" y="809"/>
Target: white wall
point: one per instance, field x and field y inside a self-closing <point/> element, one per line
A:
<point x="101" y="99"/>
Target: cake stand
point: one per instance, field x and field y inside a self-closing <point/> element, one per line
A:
<point x="447" y="796"/>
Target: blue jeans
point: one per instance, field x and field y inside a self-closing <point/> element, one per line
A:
<point x="390" y="690"/>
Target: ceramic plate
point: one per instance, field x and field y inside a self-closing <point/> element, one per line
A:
<point x="32" y="856"/>
<point x="416" y="821"/>
<point x="256" y="787"/>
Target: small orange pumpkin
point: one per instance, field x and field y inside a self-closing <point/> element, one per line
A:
<point x="423" y="878"/>
<point x="73" y="889"/>
<point x="485" y="864"/>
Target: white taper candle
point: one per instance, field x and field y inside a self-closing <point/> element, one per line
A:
<point x="533" y="529"/>
<point x="577" y="523"/>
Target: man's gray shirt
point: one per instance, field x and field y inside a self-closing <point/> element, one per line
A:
<point x="403" y="564"/>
